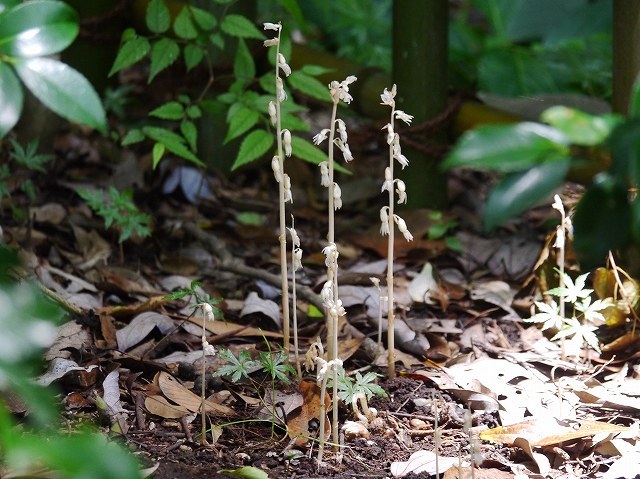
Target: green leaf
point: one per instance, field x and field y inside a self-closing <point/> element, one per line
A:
<point x="158" y="17"/>
<point x="171" y="110"/>
<point x="293" y="123"/>
<point x="158" y="153"/>
<point x="634" y="102"/>
<point x="11" y="99"/>
<point x="37" y="28"/>
<point x="63" y="90"/>
<point x="130" y="52"/>
<point x="243" y="65"/>
<point x="521" y="191"/>
<point x="190" y="133"/>
<point x="205" y="20"/>
<point x="163" y="53"/>
<point x="315" y="70"/>
<point x="579" y="127"/>
<point x="132" y="137"/>
<point x="507" y="148"/>
<point x="217" y="40"/>
<point x="183" y="25"/>
<point x="309" y="152"/>
<point x="294" y="10"/>
<point x="193" y="55"/>
<point x="241" y="27"/>
<point x="8" y="4"/>
<point x="601" y="222"/>
<point x="173" y="142"/>
<point x="309" y="86"/>
<point x="255" y="145"/>
<point x="242" y="121"/>
<point x="194" y="112"/>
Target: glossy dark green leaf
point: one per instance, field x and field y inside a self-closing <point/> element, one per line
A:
<point x="184" y="26"/>
<point x="131" y="51"/>
<point x="241" y="121"/>
<point x="309" y="86"/>
<point x="172" y="110"/>
<point x="172" y="142"/>
<point x="193" y="55"/>
<point x="519" y="192"/>
<point x="241" y="27"/>
<point x="37" y="28"/>
<point x="625" y="152"/>
<point x="163" y="53"/>
<point x="11" y="99"/>
<point x="255" y="145"/>
<point x="8" y="4"/>
<point x="507" y="148"/>
<point x="601" y="222"/>
<point x="579" y="127"/>
<point x="205" y="20"/>
<point x="63" y="90"/>
<point x="158" y="17"/>
<point x="243" y="65"/>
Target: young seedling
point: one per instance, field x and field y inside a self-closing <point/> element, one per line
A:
<point x="387" y="216"/>
<point x="339" y="91"/>
<point x="283" y="141"/>
<point x="209" y="310"/>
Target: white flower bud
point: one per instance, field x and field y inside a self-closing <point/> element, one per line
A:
<point x="271" y="42"/>
<point x="286" y="141"/>
<point x="280" y="93"/>
<point x="390" y="133"/>
<point x="272" y="113"/>
<point x="208" y="312"/>
<point x="346" y="153"/>
<point x="559" y="242"/>
<point x="272" y="26"/>
<point x="324" y="172"/>
<point x="342" y="129"/>
<point x="402" y="160"/>
<point x="402" y="227"/>
<point x="400" y="115"/>
<point x="384" y="220"/>
<point x="275" y="166"/>
<point x="337" y="196"/>
<point x="295" y="239"/>
<point x="282" y="63"/>
<point x="401" y="189"/>
<point x="288" y="197"/>
<point x="331" y="255"/>
<point x="297" y="259"/>
<point x="208" y="349"/>
<point x="326" y="294"/>
<point x="388" y="180"/>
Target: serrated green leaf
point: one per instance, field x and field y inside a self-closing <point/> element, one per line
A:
<point x="315" y="70"/>
<point x="254" y="146"/>
<point x="11" y="99"/>
<point x="130" y="52"/>
<point x="163" y="53"/>
<point x="521" y="191"/>
<point x="579" y="127"/>
<point x="293" y="123"/>
<point x="132" y="137"/>
<point x="205" y="20"/>
<point x="267" y="83"/>
<point x="194" y="112"/>
<point x="242" y="121"/>
<point x="190" y="133"/>
<point x="158" y="153"/>
<point x="183" y="25"/>
<point x="507" y="148"/>
<point x="309" y="86"/>
<point x="294" y="10"/>
<point x="158" y="17"/>
<point x="241" y="27"/>
<point x="217" y="40"/>
<point x="34" y="29"/>
<point x="309" y="152"/>
<point x="171" y="110"/>
<point x="193" y="55"/>
<point x="173" y="142"/>
<point x="63" y="90"/>
<point x="243" y="65"/>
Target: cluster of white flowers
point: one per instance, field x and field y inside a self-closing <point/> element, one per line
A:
<point x="297" y="251"/>
<point x="566" y="225"/>
<point x="207" y="348"/>
<point x="393" y="140"/>
<point x="325" y="366"/>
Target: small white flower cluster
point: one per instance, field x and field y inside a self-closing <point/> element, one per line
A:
<point x="207" y="348"/>
<point x="339" y="91"/>
<point x="277" y="163"/>
<point x="325" y="366"/>
<point x="393" y="140"/>
<point x="566" y="223"/>
<point x="297" y="251"/>
<point x="329" y="294"/>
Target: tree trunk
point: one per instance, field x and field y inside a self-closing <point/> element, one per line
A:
<point x="626" y="54"/>
<point x="420" y="43"/>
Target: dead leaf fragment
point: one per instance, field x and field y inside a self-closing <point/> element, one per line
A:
<point x="298" y="421"/>
<point x="179" y="394"/>
<point x="423" y="461"/>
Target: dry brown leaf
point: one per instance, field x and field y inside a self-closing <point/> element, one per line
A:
<point x="548" y="431"/>
<point x="126" y="281"/>
<point x="298" y="421"/>
<point x="226" y="328"/>
<point x="151" y="304"/>
<point x="179" y="394"/>
<point x="477" y="473"/>
<point x="159" y="406"/>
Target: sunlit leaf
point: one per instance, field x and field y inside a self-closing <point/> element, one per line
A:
<point x="579" y="127"/>
<point x="11" y="99"/>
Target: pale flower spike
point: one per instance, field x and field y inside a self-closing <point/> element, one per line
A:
<point x="295" y="239"/>
<point x="340" y="90"/>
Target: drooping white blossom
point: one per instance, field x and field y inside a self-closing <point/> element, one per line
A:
<point x="390" y="133"/>
<point x="401" y="190"/>
<point x="384" y="220"/>
<point x="272" y="26"/>
<point x="402" y="227"/>
<point x="340" y="90"/>
<point x="297" y="259"/>
<point x="337" y="196"/>
<point x="387" y="97"/>
<point x="288" y="196"/>
<point x="280" y="93"/>
<point x="271" y="42"/>
<point x="388" y="180"/>
<point x="342" y="130"/>
<point x="286" y="142"/>
<point x="401" y="115"/>
<point x="272" y="112"/>
<point x="320" y="137"/>
<point x="275" y="166"/>
<point x="324" y="174"/>
<point x="282" y="63"/>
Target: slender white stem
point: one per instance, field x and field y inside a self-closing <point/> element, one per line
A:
<point x="391" y="360"/>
